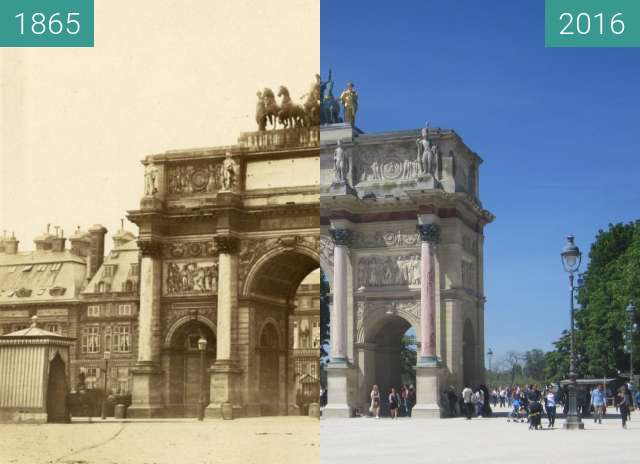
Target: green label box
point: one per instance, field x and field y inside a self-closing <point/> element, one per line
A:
<point x="46" y="23"/>
<point x="592" y="23"/>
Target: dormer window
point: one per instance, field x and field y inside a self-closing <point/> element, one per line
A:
<point x="100" y="287"/>
<point x="56" y="266"/>
<point x="128" y="286"/>
<point x="109" y="270"/>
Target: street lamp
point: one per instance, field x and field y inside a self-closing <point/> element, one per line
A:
<point x="202" y="347"/>
<point x="632" y="327"/>
<point x="490" y="355"/>
<point x="107" y="356"/>
<point x="571" y="257"/>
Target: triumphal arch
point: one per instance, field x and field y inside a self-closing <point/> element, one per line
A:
<point x="402" y="247"/>
<point x="227" y="234"/>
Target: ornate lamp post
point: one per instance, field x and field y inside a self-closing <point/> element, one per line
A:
<point x="571" y="257"/>
<point x="632" y="327"/>
<point x="107" y="356"/>
<point x="490" y="356"/>
<point x="202" y="348"/>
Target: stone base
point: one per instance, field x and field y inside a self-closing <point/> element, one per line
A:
<point x="146" y="394"/>
<point x="151" y="202"/>
<point x="24" y="415"/>
<point x="338" y="381"/>
<point x="570" y="424"/>
<point x="343" y="131"/>
<point x="224" y="404"/>
<point x="429" y="375"/>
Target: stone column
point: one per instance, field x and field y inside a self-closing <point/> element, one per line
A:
<point x="429" y="370"/>
<point x="341" y="240"/>
<point x="147" y="375"/>
<point x="339" y="372"/>
<point x="429" y="235"/>
<point x="225" y="372"/>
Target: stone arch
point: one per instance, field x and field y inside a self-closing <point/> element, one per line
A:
<point x="370" y="322"/>
<point x="468" y="354"/>
<point x="295" y="261"/>
<point x="184" y="320"/>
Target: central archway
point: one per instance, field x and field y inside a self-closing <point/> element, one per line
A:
<point x="284" y="324"/>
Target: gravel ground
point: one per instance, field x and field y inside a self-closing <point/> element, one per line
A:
<point x="272" y="440"/>
<point x="491" y="440"/>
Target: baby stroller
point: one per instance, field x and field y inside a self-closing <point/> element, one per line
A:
<point x="535" y="415"/>
<point x="518" y="413"/>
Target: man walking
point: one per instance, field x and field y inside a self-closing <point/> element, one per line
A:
<point x="597" y="401"/>
<point x="467" y="394"/>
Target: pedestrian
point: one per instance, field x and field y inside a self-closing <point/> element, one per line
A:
<point x="411" y="399"/>
<point x="374" y="409"/>
<point x="622" y="400"/>
<point x="478" y="399"/>
<point x="467" y="395"/>
<point x="550" y="406"/>
<point x="453" y="399"/>
<point x="598" y="403"/>
<point x="503" y="397"/>
<point x="393" y="403"/>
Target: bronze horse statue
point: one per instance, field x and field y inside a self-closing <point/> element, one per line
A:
<point x="290" y="114"/>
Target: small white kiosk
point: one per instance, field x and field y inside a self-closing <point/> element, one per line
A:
<point x="33" y="376"/>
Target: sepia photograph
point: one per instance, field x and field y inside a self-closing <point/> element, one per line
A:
<point x="159" y="247"/>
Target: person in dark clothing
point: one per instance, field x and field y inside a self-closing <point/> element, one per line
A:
<point x="622" y="400"/>
<point x="453" y="399"/>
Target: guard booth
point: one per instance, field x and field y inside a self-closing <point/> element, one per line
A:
<point x="33" y="376"/>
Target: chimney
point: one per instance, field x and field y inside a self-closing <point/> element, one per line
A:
<point x="11" y="245"/>
<point x="43" y="242"/>
<point x="58" y="242"/>
<point x="96" y="249"/>
<point x="79" y="243"/>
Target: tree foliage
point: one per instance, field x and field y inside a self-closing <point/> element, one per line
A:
<point x="611" y="282"/>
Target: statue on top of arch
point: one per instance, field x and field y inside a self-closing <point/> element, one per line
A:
<point x="287" y="113"/>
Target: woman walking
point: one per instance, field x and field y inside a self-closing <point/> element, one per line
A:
<point x="550" y="404"/>
<point x="374" y="409"/>
<point x="393" y="403"/>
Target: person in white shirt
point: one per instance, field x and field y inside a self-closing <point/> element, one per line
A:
<point x="467" y="394"/>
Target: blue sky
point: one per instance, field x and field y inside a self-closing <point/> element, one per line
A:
<point x="557" y="129"/>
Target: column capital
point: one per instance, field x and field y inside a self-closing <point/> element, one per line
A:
<point x="227" y="244"/>
<point x="429" y="232"/>
<point x="341" y="236"/>
<point x="150" y="248"/>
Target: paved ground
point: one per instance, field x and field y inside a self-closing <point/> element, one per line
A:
<point x="478" y="441"/>
<point x="272" y="440"/>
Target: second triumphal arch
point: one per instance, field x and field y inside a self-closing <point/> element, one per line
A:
<point x="402" y="247"/>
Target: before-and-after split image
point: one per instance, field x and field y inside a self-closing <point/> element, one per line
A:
<point x="307" y="231"/>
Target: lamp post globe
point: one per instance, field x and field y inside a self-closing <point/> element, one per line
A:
<point x="571" y="257"/>
<point x="202" y="348"/>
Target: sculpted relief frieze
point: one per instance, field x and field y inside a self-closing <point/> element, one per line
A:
<point x="384" y="271"/>
<point x="196" y="249"/>
<point x="199" y="178"/>
<point x="398" y="238"/>
<point x="190" y="277"/>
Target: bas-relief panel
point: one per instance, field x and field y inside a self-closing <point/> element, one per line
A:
<point x="190" y="277"/>
<point x="385" y="271"/>
<point x="391" y="238"/>
<point x="194" y="178"/>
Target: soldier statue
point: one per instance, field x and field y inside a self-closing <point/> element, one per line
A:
<point x="349" y="99"/>
<point x="427" y="154"/>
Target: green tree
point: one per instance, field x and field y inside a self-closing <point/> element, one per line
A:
<point x="534" y="361"/>
<point x="611" y="281"/>
<point x="408" y="359"/>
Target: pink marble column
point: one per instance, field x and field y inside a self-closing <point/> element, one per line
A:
<point x="341" y="240"/>
<point x="429" y="235"/>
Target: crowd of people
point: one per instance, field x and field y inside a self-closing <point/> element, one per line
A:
<point x="400" y="401"/>
<point x="529" y="404"/>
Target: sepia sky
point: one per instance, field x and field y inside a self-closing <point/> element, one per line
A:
<point x="163" y="75"/>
